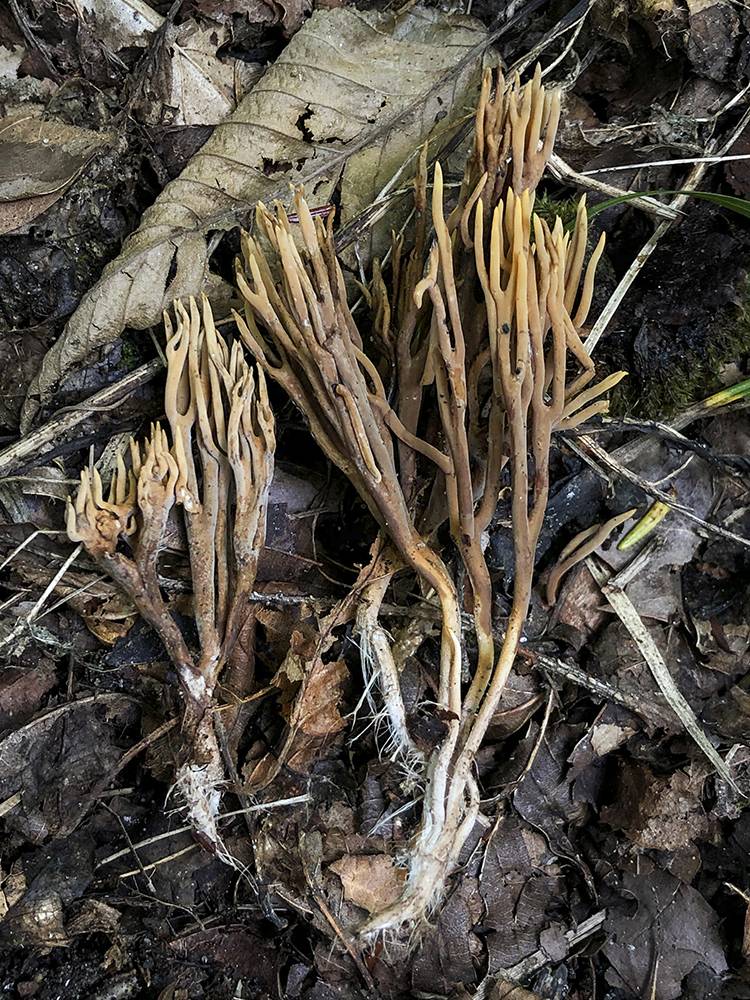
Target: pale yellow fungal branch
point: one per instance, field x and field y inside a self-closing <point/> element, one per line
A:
<point x="218" y="469"/>
<point x="301" y="330"/>
<point x="581" y="546"/>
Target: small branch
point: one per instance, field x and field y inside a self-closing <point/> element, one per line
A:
<point x="563" y="172"/>
<point x="32" y="445"/>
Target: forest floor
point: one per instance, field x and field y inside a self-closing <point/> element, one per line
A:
<point x="611" y="857"/>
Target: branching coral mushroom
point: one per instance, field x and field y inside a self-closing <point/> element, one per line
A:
<point x="494" y="326"/>
<point x="483" y="359"/>
<point x="219" y="469"/>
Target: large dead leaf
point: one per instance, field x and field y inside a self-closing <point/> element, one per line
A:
<point x="351" y="95"/>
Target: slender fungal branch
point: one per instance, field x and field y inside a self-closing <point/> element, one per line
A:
<point x="582" y="545"/>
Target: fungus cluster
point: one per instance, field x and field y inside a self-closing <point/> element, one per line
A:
<point x="218" y="469"/>
<point x="479" y="358"/>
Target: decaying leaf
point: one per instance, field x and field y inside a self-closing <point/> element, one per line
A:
<point x="519" y="877"/>
<point x="12" y="887"/>
<point x="190" y="85"/>
<point x="505" y="990"/>
<point x="37" y="917"/>
<point x="451" y="949"/>
<point x="238" y="949"/>
<point x="93" y="917"/>
<point x="371" y="881"/>
<point x="314" y="717"/>
<point x="122" y="23"/>
<point x="340" y="88"/>
<point x="22" y="690"/>
<point x="56" y="759"/>
<point x="39" y="160"/>
<point x="714" y="26"/>
<point x="671" y="920"/>
<point x="658" y="813"/>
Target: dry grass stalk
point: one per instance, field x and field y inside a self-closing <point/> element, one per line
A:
<point x="507" y="373"/>
<point x="218" y="469"/>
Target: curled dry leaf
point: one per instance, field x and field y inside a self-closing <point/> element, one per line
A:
<point x="371" y="881"/>
<point x="315" y="717"/>
<point x="330" y="99"/>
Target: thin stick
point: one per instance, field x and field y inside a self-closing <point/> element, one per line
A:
<point x="609" y="462"/>
<point x="32" y="445"/>
<point x="643" y="639"/>
<point x="563" y="172"/>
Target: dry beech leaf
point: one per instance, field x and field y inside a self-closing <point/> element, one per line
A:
<point x="39" y="160"/>
<point x="314" y="718"/>
<point x="327" y="109"/>
<point x="371" y="881"/>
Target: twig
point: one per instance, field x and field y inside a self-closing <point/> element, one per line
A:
<point x="144" y="869"/>
<point x="31" y="446"/>
<point x="563" y="172"/>
<point x="29" y="618"/>
<point x="570" y="20"/>
<point x="570" y="672"/>
<point x="260" y="807"/>
<point x="735" y="465"/>
<point x="130" y="755"/>
<point x="626" y="612"/>
<point x="609" y="462"/>
<point x="345" y="939"/>
<point x="540" y="958"/>
<point x="682" y="161"/>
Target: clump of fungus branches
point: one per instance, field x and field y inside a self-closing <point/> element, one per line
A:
<point x="481" y="358"/>
<point x="488" y="329"/>
<point x="218" y="469"/>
